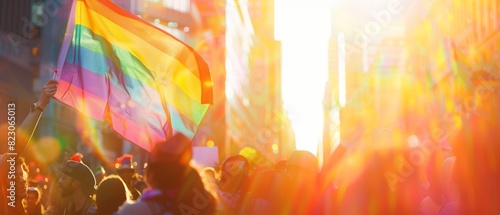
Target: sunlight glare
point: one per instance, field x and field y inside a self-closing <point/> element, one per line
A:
<point x="304" y="40"/>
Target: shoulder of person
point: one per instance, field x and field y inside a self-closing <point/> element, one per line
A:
<point x="92" y="210"/>
<point x="133" y="208"/>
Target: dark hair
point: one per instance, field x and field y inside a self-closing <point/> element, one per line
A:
<point x="184" y="181"/>
<point x="166" y="176"/>
<point x="169" y="162"/>
<point x="111" y="194"/>
<point x="239" y="180"/>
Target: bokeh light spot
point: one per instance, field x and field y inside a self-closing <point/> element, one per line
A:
<point x="210" y="143"/>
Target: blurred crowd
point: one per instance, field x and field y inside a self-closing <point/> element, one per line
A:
<point x="387" y="176"/>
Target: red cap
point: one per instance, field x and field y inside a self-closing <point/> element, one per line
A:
<point x="77" y="157"/>
<point x="125" y="162"/>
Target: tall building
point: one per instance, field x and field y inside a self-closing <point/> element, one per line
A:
<point x="210" y="40"/>
<point x="239" y="31"/>
<point x="470" y="28"/>
<point x="20" y="58"/>
<point x="367" y="69"/>
<point x="266" y="102"/>
<point x="455" y="39"/>
<point x="256" y="124"/>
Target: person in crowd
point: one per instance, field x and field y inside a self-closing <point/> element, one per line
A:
<point x="209" y="177"/>
<point x="233" y="177"/>
<point x="111" y="194"/>
<point x="33" y="204"/>
<point x="56" y="204"/>
<point x="451" y="194"/>
<point x="125" y="167"/>
<point x="139" y="183"/>
<point x="434" y="201"/>
<point x="477" y="151"/>
<point x="432" y="204"/>
<point x="280" y="167"/>
<point x="99" y="173"/>
<point x="301" y="180"/>
<point x="175" y="187"/>
<point x="265" y="189"/>
<point x="209" y="172"/>
<point x="384" y="182"/>
<point x="77" y="182"/>
<point x="15" y="193"/>
<point x="24" y="133"/>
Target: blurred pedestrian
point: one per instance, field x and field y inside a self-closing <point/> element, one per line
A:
<point x="125" y="167"/>
<point x="476" y="169"/>
<point x="33" y="204"/>
<point x="99" y="173"/>
<point x="381" y="181"/>
<point x="302" y="170"/>
<point x="15" y="189"/>
<point x="263" y="192"/>
<point x="174" y="186"/>
<point x="24" y="133"/>
<point x="77" y="182"/>
<point x="111" y="194"/>
<point x="233" y="177"/>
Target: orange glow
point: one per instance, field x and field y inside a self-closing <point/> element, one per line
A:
<point x="210" y="143"/>
<point x="46" y="150"/>
<point x="414" y="93"/>
<point x="330" y="107"/>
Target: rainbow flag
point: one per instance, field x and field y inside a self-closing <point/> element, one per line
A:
<point x="117" y="67"/>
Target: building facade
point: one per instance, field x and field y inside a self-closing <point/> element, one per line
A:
<point x="456" y="39"/>
<point x="368" y="74"/>
<point x="253" y="86"/>
<point x="18" y="60"/>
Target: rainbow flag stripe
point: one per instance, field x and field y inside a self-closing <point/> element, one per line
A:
<point x="117" y="67"/>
